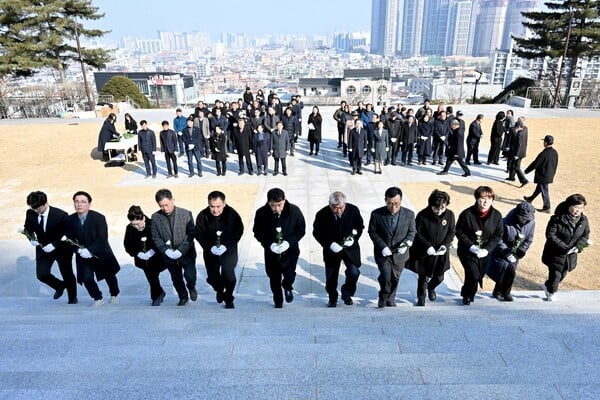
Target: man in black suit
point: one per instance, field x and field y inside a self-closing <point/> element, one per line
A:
<point x="357" y="146"/>
<point x="192" y="139"/>
<point x="173" y="236"/>
<point x="516" y="152"/>
<point x="48" y="225"/>
<point x="219" y="228"/>
<point x="169" y="146"/>
<point x="87" y="232"/>
<point x="337" y="228"/>
<point x="392" y="230"/>
<point x="456" y="148"/>
<point x="473" y="139"/>
<point x="544" y="165"/>
<point x="279" y="226"/>
<point x="147" y="145"/>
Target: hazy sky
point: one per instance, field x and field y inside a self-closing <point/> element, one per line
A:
<point x="145" y="18"/>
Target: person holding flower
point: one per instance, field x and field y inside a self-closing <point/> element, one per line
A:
<point x="87" y="232"/>
<point x="567" y="234"/>
<point x="44" y="226"/>
<point x="479" y="230"/>
<point x="139" y="244"/>
<point x="278" y="226"/>
<point x="219" y="228"/>
<point x="338" y="227"/>
<point x="519" y="227"/>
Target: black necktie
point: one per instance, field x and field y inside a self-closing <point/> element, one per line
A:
<point x="42" y="222"/>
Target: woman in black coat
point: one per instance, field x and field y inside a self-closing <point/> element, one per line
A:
<point x="139" y="244"/>
<point x="218" y="148"/>
<point x="314" y="130"/>
<point x="567" y="234"/>
<point x="429" y="255"/>
<point x="496" y="139"/>
<point x="424" y="140"/>
<point x="409" y="138"/>
<point x="107" y="133"/>
<point x="478" y="230"/>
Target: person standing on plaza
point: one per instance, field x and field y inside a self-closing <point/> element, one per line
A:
<point x="192" y="139"/>
<point x="425" y="129"/>
<point x="338" y="227"/>
<point x="139" y="244"/>
<point x="242" y="143"/>
<point x="338" y="116"/>
<point x="392" y="230"/>
<point x="409" y="138"/>
<point x="278" y="226"/>
<point x="218" y="148"/>
<point x="168" y="145"/>
<point x="87" y="233"/>
<point x="380" y="146"/>
<point x="314" y="130"/>
<point x="357" y="146"/>
<point x="441" y="129"/>
<point x="46" y="225"/>
<point x="517" y="151"/>
<point x="147" y="146"/>
<point x="429" y="257"/>
<point x="544" y="165"/>
<point x="203" y="124"/>
<point x="219" y="228"/>
<point x="173" y="236"/>
<point x="290" y="125"/>
<point x="567" y="234"/>
<point x="519" y="227"/>
<point x="473" y="138"/>
<point x="456" y="149"/>
<point x="394" y="128"/>
<point x="280" y="145"/>
<point x="262" y="147"/>
<point x="496" y="139"/>
<point x="179" y="124"/>
<point x="479" y="230"/>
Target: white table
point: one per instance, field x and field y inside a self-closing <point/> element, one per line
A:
<point x="122" y="145"/>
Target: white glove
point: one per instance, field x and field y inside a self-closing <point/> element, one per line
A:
<point x="191" y="146"/>
<point x="49" y="248"/>
<point x="402" y="249"/>
<point x="175" y="255"/>
<point x="511" y="258"/>
<point x="387" y="149"/>
<point x="409" y="243"/>
<point x="34" y="243"/>
<point x="275" y="248"/>
<point x="393" y="140"/>
<point x="284" y="246"/>
<point x="573" y="250"/>
<point x="474" y="249"/>
<point x="350" y="150"/>
<point x="84" y="253"/>
<point x="336" y="248"/>
<point x="442" y="138"/>
<point x="154" y="153"/>
<point x="179" y="133"/>
<point x="217" y="251"/>
<point x="516" y="157"/>
<point x="423" y="137"/>
<point x="441" y="251"/>
<point x="482" y="253"/>
<point x="169" y="253"/>
<point x="372" y="149"/>
<point x="142" y="256"/>
<point x="386" y="252"/>
<point x="150" y="253"/>
<point x="349" y="242"/>
<point x="431" y="251"/>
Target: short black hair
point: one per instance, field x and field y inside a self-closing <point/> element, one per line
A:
<point x="164" y="123"/>
<point x="36" y="199"/>
<point x="437" y="198"/>
<point x="393" y="192"/>
<point x="216" y="194"/>
<point x="82" y="193"/>
<point x="275" y="195"/>
<point x="143" y="122"/>
<point x="163" y="194"/>
<point x="576" y="200"/>
<point x="135" y="213"/>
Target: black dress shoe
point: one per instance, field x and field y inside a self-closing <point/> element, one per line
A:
<point x="421" y="302"/>
<point x="381" y="303"/>
<point x="193" y="294"/>
<point x="442" y="173"/>
<point x="466" y="301"/>
<point x="523" y="184"/>
<point x="527" y="199"/>
<point x="58" y="293"/>
<point x="289" y="296"/>
<point x="157" y="301"/>
<point x="466" y="175"/>
<point x="543" y="210"/>
<point x="229" y="305"/>
<point x="278" y="305"/>
<point x="508" y="297"/>
<point x="390" y="304"/>
<point x="182" y="302"/>
<point x="73" y="300"/>
<point x="332" y="304"/>
<point x="496" y="295"/>
<point x="220" y="297"/>
<point x="510" y="179"/>
<point x="348" y="301"/>
<point x="431" y="294"/>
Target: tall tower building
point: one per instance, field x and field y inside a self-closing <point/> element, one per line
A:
<point x="436" y="27"/>
<point x="384" y="27"/>
<point x="514" y="19"/>
<point x="489" y="30"/>
<point x="459" y="27"/>
<point x="412" y="28"/>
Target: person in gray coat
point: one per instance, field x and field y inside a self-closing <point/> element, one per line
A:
<point x="380" y="143"/>
<point x="280" y="145"/>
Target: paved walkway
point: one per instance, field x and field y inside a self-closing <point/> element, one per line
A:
<point x="526" y="349"/>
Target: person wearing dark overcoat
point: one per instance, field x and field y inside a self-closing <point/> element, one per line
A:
<point x="392" y="230"/>
<point x="496" y="139"/>
<point x="192" y="140"/>
<point x="45" y="225"/>
<point x="517" y="151"/>
<point x="338" y="227"/>
<point x="357" y="146"/>
<point x="278" y="226"/>
<point x="218" y="149"/>
<point x="473" y="138"/>
<point x="394" y="128"/>
<point x="440" y="132"/>
<point x="409" y="138"/>
<point x="479" y="230"/>
<point x="139" y="244"/>
<point x="270" y="120"/>
<point x="380" y="146"/>
<point x="262" y="147"/>
<point x="519" y="227"/>
<point x="169" y="146"/>
<point x="87" y="232"/>
<point x="221" y="121"/>
<point x="255" y="120"/>
<point x="280" y="145"/>
<point x="219" y="228"/>
<point x="107" y="133"/>
<point x="429" y="257"/>
<point x="544" y="165"/>
<point x="147" y="146"/>
<point x="315" y="120"/>
<point x="567" y="234"/>
<point x="425" y="132"/>
<point x="242" y="143"/>
<point x="173" y="235"/>
<point x="456" y="149"/>
<point x="291" y="126"/>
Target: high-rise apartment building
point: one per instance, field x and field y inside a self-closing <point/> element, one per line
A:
<point x="459" y="28"/>
<point x="384" y="27"/>
<point x="489" y="29"/>
<point x="436" y="27"/>
<point x="412" y="28"/>
<point x="514" y="20"/>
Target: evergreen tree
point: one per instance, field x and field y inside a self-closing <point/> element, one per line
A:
<point x="120" y="87"/>
<point x="36" y="34"/>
